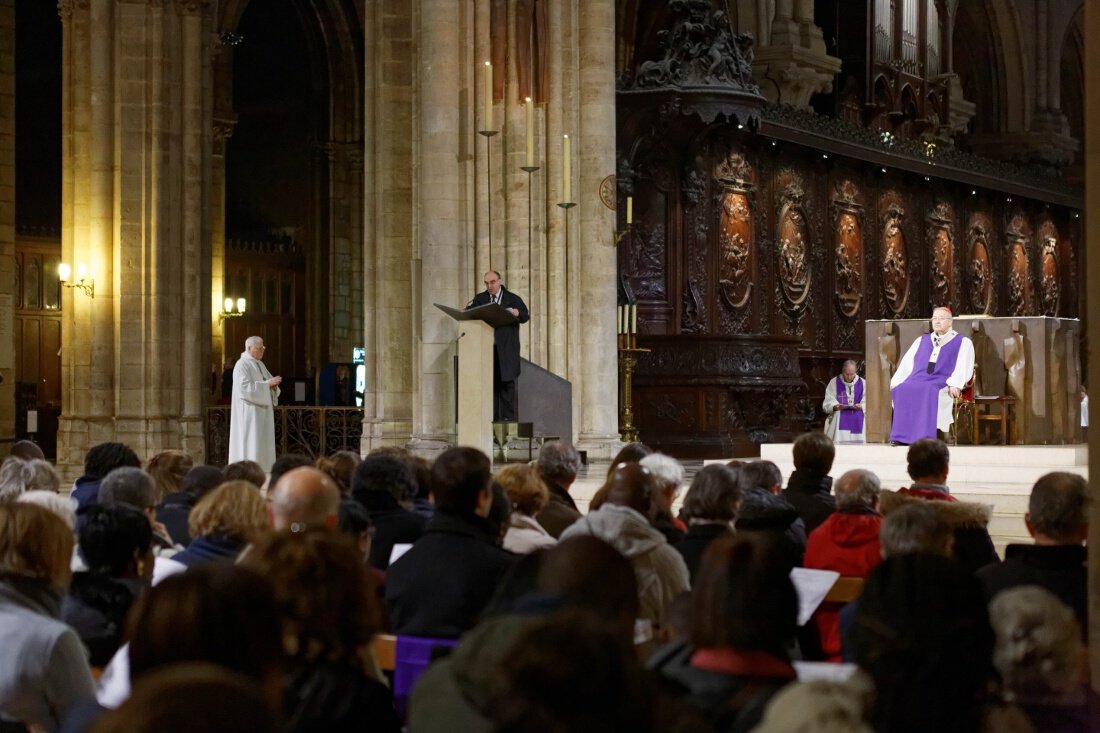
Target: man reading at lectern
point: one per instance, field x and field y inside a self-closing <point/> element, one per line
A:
<point x="931" y="374"/>
<point x="506" y="342"/>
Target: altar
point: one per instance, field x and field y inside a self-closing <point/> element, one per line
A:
<point x="1034" y="360"/>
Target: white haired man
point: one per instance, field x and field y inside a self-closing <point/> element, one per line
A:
<point x="845" y="405"/>
<point x="252" y="416"/>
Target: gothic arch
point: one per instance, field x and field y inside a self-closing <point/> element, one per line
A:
<point x="987" y="40"/>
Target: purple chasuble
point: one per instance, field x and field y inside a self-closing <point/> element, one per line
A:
<point x="850" y="420"/>
<point x="917" y="399"/>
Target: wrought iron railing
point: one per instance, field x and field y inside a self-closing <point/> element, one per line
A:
<point x="311" y="431"/>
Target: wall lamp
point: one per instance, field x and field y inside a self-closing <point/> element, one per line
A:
<point x="83" y="282"/>
<point x="231" y="309"/>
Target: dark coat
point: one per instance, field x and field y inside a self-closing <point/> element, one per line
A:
<point x="810" y="494"/>
<point x="96" y="606"/>
<point x="1061" y="569"/>
<point x="338" y="699"/>
<point x="439" y="587"/>
<point x="210" y="548"/>
<point x="506" y="338"/>
<point x="174" y="513"/>
<point x="86" y="493"/>
<point x="393" y="525"/>
<point x="559" y="513"/>
<point x="773" y="516"/>
<point x="968" y="520"/>
<point x="732" y="701"/>
<point x="693" y="544"/>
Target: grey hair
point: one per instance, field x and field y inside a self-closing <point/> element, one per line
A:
<point x="912" y="528"/>
<point x="18" y="475"/>
<point x="858" y="487"/>
<point x="1038" y="651"/>
<point x="665" y="469"/>
<point x="62" y="506"/>
<point x="559" y="461"/>
<point x="850" y="363"/>
<point x="252" y="341"/>
<point x="128" y="486"/>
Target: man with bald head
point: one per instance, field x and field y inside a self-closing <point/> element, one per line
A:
<point x="304" y="497"/>
<point x="505" y="343"/>
<point x="931" y="374"/>
<point x="848" y="543"/>
<point x="623" y="521"/>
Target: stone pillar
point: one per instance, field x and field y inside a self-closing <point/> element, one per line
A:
<point x="444" y="151"/>
<point x="136" y="149"/>
<point x="7" y="218"/>
<point x="792" y="65"/>
<point x="1092" y="289"/>
<point x="220" y="352"/>
<point x="389" y="335"/>
<point x="597" y="375"/>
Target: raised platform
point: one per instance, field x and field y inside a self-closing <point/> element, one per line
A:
<point x="997" y="475"/>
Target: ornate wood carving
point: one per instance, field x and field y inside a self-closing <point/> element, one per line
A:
<point x="848" y="229"/>
<point x="1050" y="281"/>
<point x="1018" y="237"/>
<point x="736" y="235"/>
<point x="941" y="249"/>
<point x="979" y="270"/>
<point x="794" y="264"/>
<point x="895" y="259"/>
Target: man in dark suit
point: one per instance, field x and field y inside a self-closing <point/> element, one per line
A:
<point x="506" y="341"/>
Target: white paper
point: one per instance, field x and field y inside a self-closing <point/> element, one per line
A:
<point x="299" y="391"/>
<point x="398" y="550"/>
<point x="828" y="671"/>
<point x="812" y="587"/>
<point x="32" y="421"/>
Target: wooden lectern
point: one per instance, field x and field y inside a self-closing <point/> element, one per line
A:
<point x="475" y="372"/>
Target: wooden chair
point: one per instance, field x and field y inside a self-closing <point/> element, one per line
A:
<point x="845" y="590"/>
<point x="384" y="649"/>
<point x="964" y="406"/>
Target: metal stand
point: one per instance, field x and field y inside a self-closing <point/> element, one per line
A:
<point x="568" y="281"/>
<point x="529" y="169"/>
<point x="628" y="358"/>
<point x="487" y="134"/>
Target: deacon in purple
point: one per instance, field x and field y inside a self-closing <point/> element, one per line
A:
<point x="931" y="374"/>
<point x="845" y="404"/>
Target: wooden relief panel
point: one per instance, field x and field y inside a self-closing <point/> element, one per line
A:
<point x="979" y="268"/>
<point x="895" y="259"/>
<point x="694" y="298"/>
<point x="849" y="250"/>
<point x="1018" y="236"/>
<point x="1050" y="281"/>
<point x="791" y="236"/>
<point x="647" y="261"/>
<point x="941" y="251"/>
<point x="736" y="240"/>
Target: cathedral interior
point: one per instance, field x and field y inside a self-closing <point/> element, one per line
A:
<point x="760" y="178"/>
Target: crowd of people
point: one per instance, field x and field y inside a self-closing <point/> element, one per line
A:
<point x="176" y="596"/>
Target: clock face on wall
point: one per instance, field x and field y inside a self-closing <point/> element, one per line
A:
<point x="607" y="192"/>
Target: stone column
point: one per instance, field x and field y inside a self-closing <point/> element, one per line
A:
<point x="224" y="123"/>
<point x="1092" y="289"/>
<point x="597" y="374"/>
<point x="7" y="218"/>
<point x="389" y="54"/>
<point x="136" y="149"/>
<point x="444" y="150"/>
<point x="792" y="65"/>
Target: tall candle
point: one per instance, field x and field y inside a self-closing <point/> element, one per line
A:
<point x="488" y="121"/>
<point x="566" y="171"/>
<point x="629" y="210"/>
<point x="618" y="319"/>
<point x="529" y="108"/>
<point x="634" y="319"/>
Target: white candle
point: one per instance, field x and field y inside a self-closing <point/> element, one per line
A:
<point x="629" y="210"/>
<point x="529" y="109"/>
<point x="618" y="319"/>
<point x="566" y="171"/>
<point x="634" y="319"/>
<point x="488" y="121"/>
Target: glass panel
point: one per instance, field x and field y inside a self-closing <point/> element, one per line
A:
<point x="19" y="281"/>
<point x="271" y="299"/>
<point x="51" y="287"/>
<point x="257" y="294"/>
<point x="240" y="286"/>
<point x="32" y="296"/>
<point x="288" y="295"/>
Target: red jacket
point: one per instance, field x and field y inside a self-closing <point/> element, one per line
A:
<point x="846" y="542"/>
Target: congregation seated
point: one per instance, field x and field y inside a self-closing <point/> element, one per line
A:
<point x="809" y="485"/>
<point x="668" y="475"/>
<point x="44" y="671"/>
<point x="286" y="463"/>
<point x="710" y="509"/>
<point x="27" y="450"/>
<point x="1057" y="519"/>
<point x="98" y="462"/>
<point x="19" y="476"/>
<point x="116" y="544"/>
<point x="60" y="505"/>
<point x="175" y="508"/>
<point x="385" y="486"/>
<point x="131" y="487"/>
<point x="528" y="495"/>
<point x="340" y="467"/>
<point x="303" y="497"/>
<point x="765" y="510"/>
<point x="848" y="543"/>
<point x="928" y="464"/>
<point x="440" y="586"/>
<point x="744" y="618"/>
<point x="246" y="470"/>
<point x="326" y="600"/>
<point x="168" y="469"/>
<point x="623" y="521"/>
<point x="558" y="464"/>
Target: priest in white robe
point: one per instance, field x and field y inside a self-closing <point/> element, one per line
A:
<point x="934" y="371"/>
<point x="845" y="406"/>
<point x="252" y="416"/>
